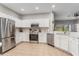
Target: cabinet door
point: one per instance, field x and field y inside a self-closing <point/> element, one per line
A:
<point x="64" y="43"/>
<point x="70" y="46"/>
<point x="57" y="41"/>
<point x="44" y="23"/>
<point x="42" y="37"/>
<point x="73" y="46"/>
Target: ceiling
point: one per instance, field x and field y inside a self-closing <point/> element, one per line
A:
<point x="29" y="8"/>
<point x="66" y="9"/>
<point x="61" y="9"/>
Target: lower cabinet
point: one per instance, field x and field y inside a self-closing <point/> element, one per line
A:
<point x="74" y="46"/>
<point x="64" y="43"/>
<point x="42" y="37"/>
<point x="67" y="43"/>
<point x="56" y="41"/>
<point x="61" y="42"/>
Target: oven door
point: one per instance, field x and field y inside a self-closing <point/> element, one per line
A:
<point x="33" y="37"/>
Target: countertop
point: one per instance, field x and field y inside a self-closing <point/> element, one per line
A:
<point x="69" y="34"/>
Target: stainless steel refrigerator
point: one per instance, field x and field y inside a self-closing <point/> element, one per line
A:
<point x="7" y="34"/>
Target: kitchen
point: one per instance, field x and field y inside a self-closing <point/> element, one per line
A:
<point x="38" y="24"/>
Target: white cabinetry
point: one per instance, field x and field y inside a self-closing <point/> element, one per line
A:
<point x="74" y="46"/>
<point x="43" y="23"/>
<point x="42" y="37"/>
<point x="57" y="41"/>
<point x="22" y="23"/>
<point x="64" y="42"/>
<point x="18" y="24"/>
<point x="67" y="43"/>
<point x="61" y="41"/>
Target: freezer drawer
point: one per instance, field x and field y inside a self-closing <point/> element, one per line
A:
<point x="6" y="44"/>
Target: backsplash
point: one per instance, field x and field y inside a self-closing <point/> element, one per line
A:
<point x="66" y="25"/>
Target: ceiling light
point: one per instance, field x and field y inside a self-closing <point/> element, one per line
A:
<point x="53" y="6"/>
<point x="22" y="9"/>
<point x="37" y="8"/>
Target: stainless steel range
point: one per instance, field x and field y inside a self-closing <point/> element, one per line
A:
<point x="7" y="34"/>
<point x="34" y="30"/>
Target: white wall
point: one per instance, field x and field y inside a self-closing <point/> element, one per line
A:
<point x="7" y="11"/>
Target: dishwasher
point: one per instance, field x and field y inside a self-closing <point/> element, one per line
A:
<point x="50" y="39"/>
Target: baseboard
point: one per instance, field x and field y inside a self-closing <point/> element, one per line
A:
<point x="42" y="43"/>
<point x="64" y="51"/>
<point x="24" y="42"/>
<point x="29" y="42"/>
<point x="50" y="45"/>
<point x="18" y="43"/>
<point x="35" y="42"/>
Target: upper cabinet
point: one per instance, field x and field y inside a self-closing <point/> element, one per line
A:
<point x="22" y="24"/>
<point x="44" y="23"/>
<point x="18" y="24"/>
